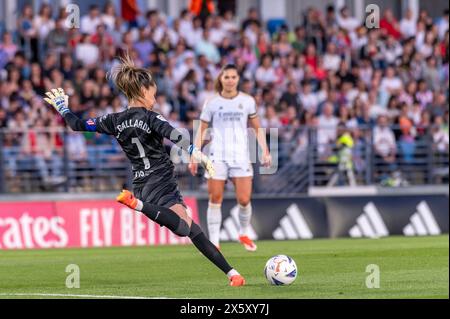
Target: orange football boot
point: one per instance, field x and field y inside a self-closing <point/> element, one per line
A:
<point x="248" y="243"/>
<point x="237" y="280"/>
<point x="127" y="198"/>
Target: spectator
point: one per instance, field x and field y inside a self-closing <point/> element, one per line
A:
<point x="188" y="90"/>
<point x="101" y="37"/>
<point x="389" y="25"/>
<point x="206" y="94"/>
<point x="270" y="119"/>
<point x="438" y="106"/>
<point x="332" y="60"/>
<point x="144" y="46"/>
<point x="424" y="95"/>
<point x="8" y="47"/>
<point x="426" y="48"/>
<point x="38" y="148"/>
<point x="207" y="48"/>
<point x="43" y="24"/>
<point x="217" y="32"/>
<point x="408" y="25"/>
<point x="415" y="113"/>
<point x="391" y="50"/>
<point x="291" y="97"/>
<point x="391" y="83"/>
<point x="108" y="17"/>
<point x="308" y="98"/>
<point x="326" y="131"/>
<point x="87" y="53"/>
<point x="346" y="21"/>
<point x="229" y="22"/>
<point x="58" y="37"/>
<point x="384" y="141"/>
<point x="28" y="33"/>
<point x="406" y="141"/>
<point x="440" y="136"/>
<point x="162" y="106"/>
<point x="202" y="8"/>
<point x="90" y="21"/>
<point x="443" y="24"/>
<point x="431" y="74"/>
<point x="3" y="118"/>
<point x="252" y="18"/>
<point x="265" y="73"/>
<point x="130" y="12"/>
<point x="77" y="153"/>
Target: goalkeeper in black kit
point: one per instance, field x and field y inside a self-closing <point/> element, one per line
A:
<point x="140" y="133"/>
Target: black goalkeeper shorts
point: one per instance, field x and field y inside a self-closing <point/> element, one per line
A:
<point x="161" y="189"/>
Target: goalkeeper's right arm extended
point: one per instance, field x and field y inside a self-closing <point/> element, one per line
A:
<point x="162" y="127"/>
<point x="198" y="156"/>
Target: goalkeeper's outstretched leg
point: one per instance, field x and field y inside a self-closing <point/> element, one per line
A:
<point x="178" y="221"/>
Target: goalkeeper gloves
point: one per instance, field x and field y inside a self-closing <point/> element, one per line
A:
<point x="198" y="156"/>
<point x="59" y="100"/>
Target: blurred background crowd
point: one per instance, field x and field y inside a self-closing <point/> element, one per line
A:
<point x="329" y="76"/>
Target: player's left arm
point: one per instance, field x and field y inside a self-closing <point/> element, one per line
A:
<point x="261" y="138"/>
<point x="253" y="121"/>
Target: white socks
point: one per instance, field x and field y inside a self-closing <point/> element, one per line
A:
<point x="214" y="220"/>
<point x="232" y="273"/>
<point x="139" y="206"/>
<point x="245" y="214"/>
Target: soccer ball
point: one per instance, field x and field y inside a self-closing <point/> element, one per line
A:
<point x="280" y="270"/>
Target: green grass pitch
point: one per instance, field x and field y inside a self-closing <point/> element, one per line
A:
<point x="409" y="268"/>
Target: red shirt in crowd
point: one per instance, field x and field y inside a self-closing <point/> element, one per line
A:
<point x="390" y="28"/>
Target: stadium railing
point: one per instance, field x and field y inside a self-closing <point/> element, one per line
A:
<point x="311" y="163"/>
<point x="302" y="162"/>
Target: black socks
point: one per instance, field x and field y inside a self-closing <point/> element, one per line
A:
<point x="207" y="248"/>
<point x="166" y="217"/>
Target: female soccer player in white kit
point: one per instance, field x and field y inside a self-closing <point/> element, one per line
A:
<point x="228" y="113"/>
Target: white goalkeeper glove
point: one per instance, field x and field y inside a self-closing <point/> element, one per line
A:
<point x="59" y="100"/>
<point x="198" y="156"/>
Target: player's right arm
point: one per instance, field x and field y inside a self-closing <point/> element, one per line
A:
<point x="60" y="101"/>
<point x="160" y="125"/>
<point x="198" y="142"/>
<point x="205" y="119"/>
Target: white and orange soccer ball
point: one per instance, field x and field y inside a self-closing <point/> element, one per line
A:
<point x="280" y="270"/>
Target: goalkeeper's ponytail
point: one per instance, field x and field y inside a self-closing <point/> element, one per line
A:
<point x="130" y="79"/>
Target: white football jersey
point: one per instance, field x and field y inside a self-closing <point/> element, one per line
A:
<point x="227" y="120"/>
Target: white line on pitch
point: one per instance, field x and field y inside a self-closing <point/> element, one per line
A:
<point x="78" y="296"/>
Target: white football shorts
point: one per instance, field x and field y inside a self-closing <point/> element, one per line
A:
<point x="225" y="170"/>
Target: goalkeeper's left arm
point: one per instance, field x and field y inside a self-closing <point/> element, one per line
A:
<point x="60" y="101"/>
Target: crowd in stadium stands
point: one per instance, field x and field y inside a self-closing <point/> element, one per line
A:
<point x="329" y="72"/>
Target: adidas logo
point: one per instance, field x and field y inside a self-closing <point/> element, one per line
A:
<point x="422" y="222"/>
<point x="369" y="224"/>
<point x="292" y="226"/>
<point x="230" y="230"/>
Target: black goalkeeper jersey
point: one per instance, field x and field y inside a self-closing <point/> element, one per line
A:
<point x="140" y="133"/>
